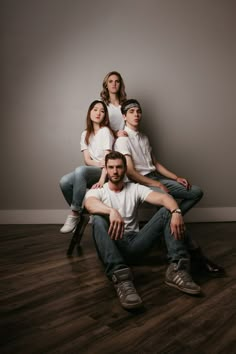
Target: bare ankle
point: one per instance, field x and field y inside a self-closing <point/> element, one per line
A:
<point x="74" y="213"/>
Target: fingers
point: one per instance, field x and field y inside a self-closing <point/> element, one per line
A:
<point x="187" y="184"/>
<point x="184" y="182"/>
<point x="164" y="188"/>
<point x="96" y="185"/>
<point x="116" y="230"/>
<point x="122" y="133"/>
<point x="178" y="230"/>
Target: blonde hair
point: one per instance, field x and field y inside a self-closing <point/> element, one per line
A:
<point x="104" y="94"/>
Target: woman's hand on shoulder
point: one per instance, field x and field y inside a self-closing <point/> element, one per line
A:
<point x="120" y="133"/>
<point x="96" y="185"/>
<point x="101" y="163"/>
<point x="99" y="184"/>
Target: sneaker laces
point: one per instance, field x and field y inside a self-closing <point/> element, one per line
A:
<point x="128" y="287"/>
<point x="184" y="275"/>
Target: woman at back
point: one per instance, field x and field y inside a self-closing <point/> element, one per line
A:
<point x="113" y="94"/>
<point x="96" y="141"/>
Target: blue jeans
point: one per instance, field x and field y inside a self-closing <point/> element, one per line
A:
<point x="188" y="197"/>
<point x="115" y="254"/>
<point x="74" y="185"/>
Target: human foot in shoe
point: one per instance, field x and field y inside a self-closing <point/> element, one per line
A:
<point x="206" y="266"/>
<point x="201" y="264"/>
<point x="70" y="224"/>
<point x="123" y="283"/>
<point x="178" y="276"/>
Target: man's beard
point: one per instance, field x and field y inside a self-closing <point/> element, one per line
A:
<point x="115" y="180"/>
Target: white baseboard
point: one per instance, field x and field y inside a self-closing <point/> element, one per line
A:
<point x="40" y="216"/>
<point x="226" y="214"/>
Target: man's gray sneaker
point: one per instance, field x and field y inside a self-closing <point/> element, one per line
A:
<point x="177" y="275"/>
<point x="123" y="283"/>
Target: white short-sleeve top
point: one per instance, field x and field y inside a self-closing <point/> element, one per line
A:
<point x="138" y="147"/>
<point x="126" y="201"/>
<point x="115" y="117"/>
<point x="98" y="143"/>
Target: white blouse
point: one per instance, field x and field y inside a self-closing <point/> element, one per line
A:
<point x="98" y="143"/>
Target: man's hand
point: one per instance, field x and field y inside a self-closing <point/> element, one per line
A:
<point x="116" y="228"/>
<point x="161" y="186"/>
<point x="177" y="226"/>
<point x="184" y="182"/>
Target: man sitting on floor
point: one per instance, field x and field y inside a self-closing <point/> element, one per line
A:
<point x="118" y="238"/>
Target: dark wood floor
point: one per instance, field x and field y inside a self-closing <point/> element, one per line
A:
<point x="51" y="303"/>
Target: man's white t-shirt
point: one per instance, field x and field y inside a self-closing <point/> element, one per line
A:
<point x="98" y="143"/>
<point x="126" y="201"/>
<point x="138" y="147"/>
<point x="115" y="117"/>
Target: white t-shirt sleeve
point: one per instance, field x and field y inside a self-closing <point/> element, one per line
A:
<point x="122" y="145"/>
<point x="93" y="193"/>
<point x="83" y="145"/>
<point x="143" y="192"/>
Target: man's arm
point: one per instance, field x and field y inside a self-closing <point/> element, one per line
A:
<point x="177" y="223"/>
<point x="165" y="172"/>
<point x="95" y="206"/>
<point x="135" y="176"/>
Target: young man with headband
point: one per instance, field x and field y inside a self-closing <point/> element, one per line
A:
<point x="143" y="168"/>
<point x="142" y="165"/>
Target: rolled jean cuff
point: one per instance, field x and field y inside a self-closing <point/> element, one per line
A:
<point x="78" y="209"/>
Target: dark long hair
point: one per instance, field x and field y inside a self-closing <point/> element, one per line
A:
<point x="104" y="94"/>
<point x="89" y="123"/>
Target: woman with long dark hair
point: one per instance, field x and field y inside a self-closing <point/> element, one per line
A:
<point x="96" y="141"/>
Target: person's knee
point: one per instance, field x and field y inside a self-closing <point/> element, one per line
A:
<point x="64" y="181"/>
<point x="161" y="214"/>
<point x="197" y="192"/>
<point x="100" y="222"/>
<point x="80" y="171"/>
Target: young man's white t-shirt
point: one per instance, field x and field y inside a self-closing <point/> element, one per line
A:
<point x="138" y="147"/>
<point x="126" y="201"/>
<point x="98" y="143"/>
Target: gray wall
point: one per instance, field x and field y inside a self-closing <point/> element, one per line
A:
<point x="176" y="56"/>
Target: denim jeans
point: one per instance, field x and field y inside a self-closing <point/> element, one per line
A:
<point x="116" y="254"/>
<point x="74" y="185"/>
<point x="188" y="197"/>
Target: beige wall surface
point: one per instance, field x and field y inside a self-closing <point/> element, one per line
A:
<point x="177" y="58"/>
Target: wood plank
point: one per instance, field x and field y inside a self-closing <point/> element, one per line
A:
<point x="51" y="303"/>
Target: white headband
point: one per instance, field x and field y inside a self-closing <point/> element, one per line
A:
<point x="131" y="105"/>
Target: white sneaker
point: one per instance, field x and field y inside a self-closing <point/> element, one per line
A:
<point x="70" y="224"/>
